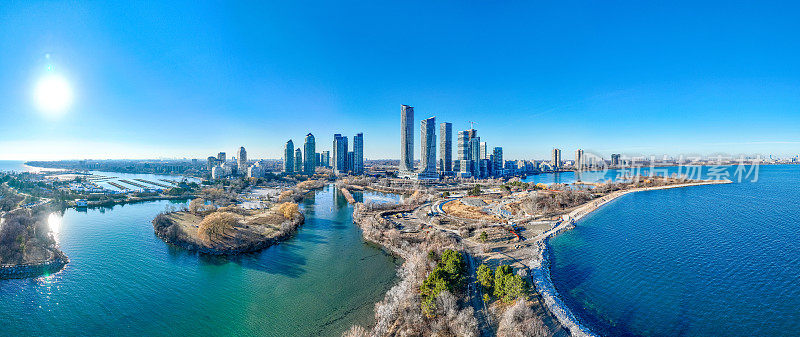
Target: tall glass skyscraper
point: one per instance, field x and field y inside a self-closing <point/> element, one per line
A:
<point x="241" y="161"/>
<point x="428" y="149"/>
<point x="310" y="153"/>
<point x="288" y="157"/>
<point x="358" y="154"/>
<point x="406" y="138"/>
<point x="445" y="147"/>
<point x="298" y="160"/>
<point x="339" y="160"/>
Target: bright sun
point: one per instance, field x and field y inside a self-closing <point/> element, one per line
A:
<point x="53" y="94"/>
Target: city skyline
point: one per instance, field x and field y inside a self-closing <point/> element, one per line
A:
<point x="608" y="83"/>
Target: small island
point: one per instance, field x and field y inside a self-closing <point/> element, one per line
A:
<point x="227" y="230"/>
<point x="230" y="220"/>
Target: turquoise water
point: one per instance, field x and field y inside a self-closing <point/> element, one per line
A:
<point x="122" y="280"/>
<point x="717" y="260"/>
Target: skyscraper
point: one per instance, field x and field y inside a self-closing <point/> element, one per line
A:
<point x="428" y="149"/>
<point x="358" y="154"/>
<point x="288" y="157"/>
<point x="464" y="151"/>
<point x="497" y="159"/>
<point x="579" y="164"/>
<point x="221" y="157"/>
<point x="615" y="159"/>
<point x="298" y="160"/>
<point x="406" y="138"/>
<point x="475" y="155"/>
<point x="446" y="147"/>
<point x="556" y="159"/>
<point x="339" y="160"/>
<point x="326" y="158"/>
<point x="484" y="151"/>
<point x="310" y="153"/>
<point x="241" y="161"/>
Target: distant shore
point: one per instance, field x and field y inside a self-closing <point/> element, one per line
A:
<point x="540" y="265"/>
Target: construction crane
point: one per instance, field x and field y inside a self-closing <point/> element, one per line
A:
<point x="471" y="124"/>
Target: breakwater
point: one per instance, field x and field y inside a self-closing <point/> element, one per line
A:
<point x="51" y="266"/>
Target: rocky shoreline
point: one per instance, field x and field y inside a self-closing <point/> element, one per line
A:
<point x="22" y="271"/>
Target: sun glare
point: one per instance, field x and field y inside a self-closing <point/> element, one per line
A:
<point x="54" y="222"/>
<point x="53" y="94"/>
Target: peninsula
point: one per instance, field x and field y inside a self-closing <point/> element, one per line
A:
<point x="27" y="246"/>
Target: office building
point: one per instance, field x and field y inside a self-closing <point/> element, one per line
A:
<point x="406" y="139"/>
<point x="310" y="153"/>
<point x="298" y="160"/>
<point x="288" y="157"/>
<point x="446" y="147"/>
<point x="428" y="149"/>
<point x="556" y="159"/>
<point x="358" y="154"/>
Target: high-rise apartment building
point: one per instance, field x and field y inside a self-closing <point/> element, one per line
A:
<point x="241" y="161"/>
<point x="298" y="161"/>
<point x="497" y="160"/>
<point x="339" y="159"/>
<point x="474" y="155"/>
<point x="428" y="149"/>
<point x="615" y="159"/>
<point x="579" y="159"/>
<point x="358" y="154"/>
<point x="326" y="158"/>
<point x="288" y="157"/>
<point x="406" y="139"/>
<point x="221" y="157"/>
<point x="484" y="151"/>
<point x="446" y="147"/>
<point x="310" y="153"/>
<point x="556" y="159"/>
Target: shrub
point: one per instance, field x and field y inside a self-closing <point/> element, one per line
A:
<point x="475" y="191"/>
<point x="216" y="224"/>
<point x="520" y="320"/>
<point x="486" y="277"/>
<point x="484" y="237"/>
<point x="289" y="210"/>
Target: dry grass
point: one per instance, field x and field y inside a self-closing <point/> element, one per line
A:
<point x="458" y="209"/>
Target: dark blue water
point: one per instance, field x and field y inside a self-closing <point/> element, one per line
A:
<point x="123" y="280"/>
<point x="720" y="260"/>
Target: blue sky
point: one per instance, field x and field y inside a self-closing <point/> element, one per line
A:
<point x="186" y="79"/>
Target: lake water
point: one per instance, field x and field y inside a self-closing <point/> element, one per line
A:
<point x="719" y="260"/>
<point x="123" y="280"/>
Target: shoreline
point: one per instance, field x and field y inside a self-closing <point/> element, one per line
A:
<point x="33" y="270"/>
<point x="539" y="263"/>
